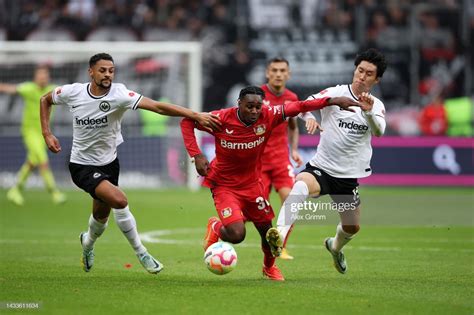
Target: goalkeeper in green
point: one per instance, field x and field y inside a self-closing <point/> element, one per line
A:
<point x="36" y="151"/>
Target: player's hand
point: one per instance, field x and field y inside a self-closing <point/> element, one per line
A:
<point x="295" y="155"/>
<point x="344" y="103"/>
<point x="53" y="143"/>
<point x="366" y="101"/>
<point x="202" y="164"/>
<point x="210" y="122"/>
<point x="312" y="126"/>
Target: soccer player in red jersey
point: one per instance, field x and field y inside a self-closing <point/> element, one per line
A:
<point x="277" y="170"/>
<point x="234" y="175"/>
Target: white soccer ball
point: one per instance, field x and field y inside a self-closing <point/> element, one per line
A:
<point x="220" y="258"/>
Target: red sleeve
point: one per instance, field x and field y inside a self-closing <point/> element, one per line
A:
<point x="292" y="109"/>
<point x="189" y="138"/>
<point x="187" y="130"/>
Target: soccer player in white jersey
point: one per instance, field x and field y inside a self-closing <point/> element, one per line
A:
<point x="343" y="155"/>
<point x="97" y="108"/>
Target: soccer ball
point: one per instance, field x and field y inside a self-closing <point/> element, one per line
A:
<point x="220" y="258"/>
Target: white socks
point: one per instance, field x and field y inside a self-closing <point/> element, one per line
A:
<point x="288" y="212"/>
<point x="127" y="224"/>
<point x="95" y="230"/>
<point x="341" y="238"/>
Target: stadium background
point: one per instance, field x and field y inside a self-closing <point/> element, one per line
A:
<point x="427" y="89"/>
<point x="414" y="253"/>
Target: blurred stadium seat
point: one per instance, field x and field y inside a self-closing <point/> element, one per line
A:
<point x="319" y="38"/>
<point x="112" y="34"/>
<point x="164" y="34"/>
<point x="3" y="34"/>
<point x="51" y="35"/>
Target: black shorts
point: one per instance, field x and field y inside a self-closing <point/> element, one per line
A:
<point x="88" y="177"/>
<point x="341" y="190"/>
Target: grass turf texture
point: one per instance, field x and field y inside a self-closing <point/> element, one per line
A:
<point x="414" y="255"/>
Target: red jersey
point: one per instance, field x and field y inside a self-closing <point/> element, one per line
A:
<point x="239" y="147"/>
<point x="277" y="146"/>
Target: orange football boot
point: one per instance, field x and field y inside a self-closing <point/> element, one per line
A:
<point x="273" y="273"/>
<point x="211" y="237"/>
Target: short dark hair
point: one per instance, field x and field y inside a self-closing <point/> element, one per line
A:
<point x="102" y="56"/>
<point x="251" y="90"/>
<point x="375" y="57"/>
<point x="278" y="59"/>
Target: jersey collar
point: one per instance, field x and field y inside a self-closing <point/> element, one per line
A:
<point x="273" y="92"/>
<point x="96" y="97"/>
<point x="243" y="123"/>
<point x="350" y="90"/>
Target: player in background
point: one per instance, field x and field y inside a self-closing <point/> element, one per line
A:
<point x="97" y="108"/>
<point x="234" y="176"/>
<point x="36" y="152"/>
<point x="343" y="156"/>
<point x="277" y="170"/>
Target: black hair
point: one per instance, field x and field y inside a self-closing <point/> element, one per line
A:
<point x="278" y="59"/>
<point x="375" y="57"/>
<point x="102" y="56"/>
<point x="251" y="90"/>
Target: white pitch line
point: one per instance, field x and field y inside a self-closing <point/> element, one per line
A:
<point x="156" y="237"/>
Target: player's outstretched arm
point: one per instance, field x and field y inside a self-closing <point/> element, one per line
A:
<point x="344" y="103"/>
<point x="208" y="121"/>
<point x="294" y="108"/>
<point x="8" y="88"/>
<point x="376" y="122"/>
<point x="52" y="142"/>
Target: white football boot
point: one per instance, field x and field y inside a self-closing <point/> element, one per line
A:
<point x="338" y="257"/>
<point x="87" y="258"/>
<point x="150" y="263"/>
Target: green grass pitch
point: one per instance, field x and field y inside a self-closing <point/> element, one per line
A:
<point x="413" y="255"/>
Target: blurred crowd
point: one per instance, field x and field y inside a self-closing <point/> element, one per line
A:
<point x="230" y="31"/>
<point x="81" y="18"/>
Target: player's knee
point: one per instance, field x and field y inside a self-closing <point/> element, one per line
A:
<point x="351" y="229"/>
<point x="236" y="235"/>
<point x="308" y="184"/>
<point x="119" y="201"/>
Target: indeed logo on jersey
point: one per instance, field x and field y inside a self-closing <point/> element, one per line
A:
<point x="242" y="145"/>
<point x="354" y="128"/>
<point x="92" y="123"/>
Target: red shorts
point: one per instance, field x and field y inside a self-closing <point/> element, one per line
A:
<point x="234" y="205"/>
<point x="280" y="174"/>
